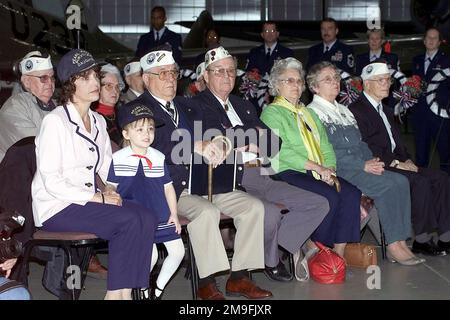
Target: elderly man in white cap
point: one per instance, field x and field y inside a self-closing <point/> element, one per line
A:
<point x="21" y="115"/>
<point x="430" y="188"/>
<point x="133" y="78"/>
<point x="160" y="74"/>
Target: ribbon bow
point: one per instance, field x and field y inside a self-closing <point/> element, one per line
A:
<point x="149" y="163"/>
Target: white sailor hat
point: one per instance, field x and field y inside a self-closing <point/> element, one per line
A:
<point x="132" y="67"/>
<point x="35" y="61"/>
<point x="200" y="70"/>
<point x="156" y="59"/>
<point x="374" y="69"/>
<point x="215" y="54"/>
<point x="109" y="68"/>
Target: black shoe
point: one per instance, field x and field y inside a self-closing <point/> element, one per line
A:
<point x="428" y="248"/>
<point x="153" y="295"/>
<point x="445" y="246"/>
<point x="278" y="273"/>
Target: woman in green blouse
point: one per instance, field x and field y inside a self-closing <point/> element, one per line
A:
<point x="307" y="159"/>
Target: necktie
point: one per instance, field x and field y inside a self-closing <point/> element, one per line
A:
<point x="157" y="36"/>
<point x="149" y="163"/>
<point x="225" y="106"/>
<point x="173" y="113"/>
<point x="327" y="48"/>
<point x="374" y="57"/>
<point x="379" y="108"/>
<point x="169" y="109"/>
<point x="268" y="54"/>
<point x="427" y="63"/>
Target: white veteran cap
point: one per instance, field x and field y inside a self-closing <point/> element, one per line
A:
<point x="156" y="59"/>
<point x="216" y="54"/>
<point x="132" y="67"/>
<point x="35" y="61"/>
<point x="200" y="70"/>
<point x="374" y="69"/>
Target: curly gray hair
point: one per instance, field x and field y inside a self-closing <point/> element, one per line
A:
<point x="279" y="67"/>
<point x="315" y="70"/>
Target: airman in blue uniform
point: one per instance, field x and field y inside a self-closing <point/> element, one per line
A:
<point x="263" y="57"/>
<point x="159" y="35"/>
<point x="428" y="126"/>
<point x="331" y="49"/>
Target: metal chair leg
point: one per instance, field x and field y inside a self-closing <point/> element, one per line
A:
<point x="383" y="243"/>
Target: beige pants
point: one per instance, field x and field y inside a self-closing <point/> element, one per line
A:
<point x="248" y="216"/>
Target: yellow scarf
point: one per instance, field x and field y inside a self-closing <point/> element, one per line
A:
<point x="307" y="128"/>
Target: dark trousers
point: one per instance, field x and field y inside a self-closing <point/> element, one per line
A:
<point x="129" y="229"/>
<point x="429" y="128"/>
<point x="430" y="199"/>
<point x="341" y="224"/>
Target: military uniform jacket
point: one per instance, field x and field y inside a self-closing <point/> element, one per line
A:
<point x="257" y="58"/>
<point x="213" y="116"/>
<point x="363" y="60"/>
<point x="20" y="117"/>
<point x="340" y="54"/>
<point x="68" y="158"/>
<point x="440" y="61"/>
<point x="168" y="136"/>
<point x="374" y="132"/>
<point x="147" y="42"/>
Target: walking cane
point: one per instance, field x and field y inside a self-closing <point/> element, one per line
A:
<point x="210" y="182"/>
<point x="228" y="146"/>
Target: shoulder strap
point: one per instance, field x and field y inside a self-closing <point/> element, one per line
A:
<point x="9" y="285"/>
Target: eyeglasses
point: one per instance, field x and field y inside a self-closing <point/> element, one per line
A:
<point x="222" y="72"/>
<point x="111" y="86"/>
<point x="270" y="31"/>
<point x="383" y="81"/>
<point x="167" y="75"/>
<point x="292" y="81"/>
<point x="330" y="80"/>
<point x="44" y="78"/>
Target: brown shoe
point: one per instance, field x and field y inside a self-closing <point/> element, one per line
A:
<point x="245" y="287"/>
<point x="96" y="270"/>
<point x="210" y="292"/>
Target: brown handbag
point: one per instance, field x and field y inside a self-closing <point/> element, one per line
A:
<point x="360" y="255"/>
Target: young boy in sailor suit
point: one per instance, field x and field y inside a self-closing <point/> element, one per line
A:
<point x="141" y="176"/>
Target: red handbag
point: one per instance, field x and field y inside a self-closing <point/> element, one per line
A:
<point x="326" y="266"/>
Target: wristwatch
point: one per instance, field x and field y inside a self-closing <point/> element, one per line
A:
<point x="395" y="163"/>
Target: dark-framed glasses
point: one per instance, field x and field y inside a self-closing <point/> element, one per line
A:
<point x="168" y="75"/>
<point x="44" y="79"/>
<point x="222" y="72"/>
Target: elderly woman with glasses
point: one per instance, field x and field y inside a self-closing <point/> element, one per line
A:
<point x="307" y="159"/>
<point x="356" y="163"/>
<point x="111" y="85"/>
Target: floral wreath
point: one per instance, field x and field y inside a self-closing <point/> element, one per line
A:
<point x="440" y="76"/>
<point x="351" y="89"/>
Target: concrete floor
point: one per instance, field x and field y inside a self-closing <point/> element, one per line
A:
<point x="430" y="281"/>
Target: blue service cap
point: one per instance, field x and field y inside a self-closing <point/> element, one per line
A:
<point x="74" y="62"/>
<point x="134" y="111"/>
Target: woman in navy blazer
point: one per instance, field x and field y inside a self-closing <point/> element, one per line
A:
<point x="71" y="148"/>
